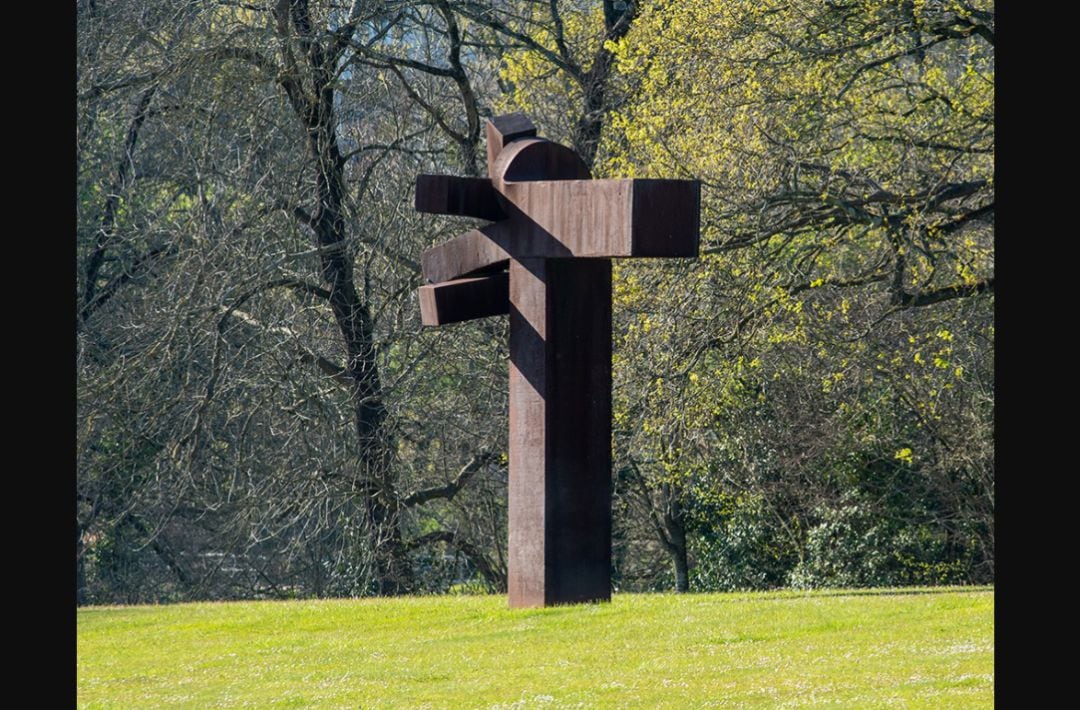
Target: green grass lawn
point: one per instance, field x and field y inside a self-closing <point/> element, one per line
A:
<point x="903" y="648"/>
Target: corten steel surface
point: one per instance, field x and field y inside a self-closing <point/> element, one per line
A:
<point x="546" y="261"/>
<point x="560" y="431"/>
<point x="465" y="299"/>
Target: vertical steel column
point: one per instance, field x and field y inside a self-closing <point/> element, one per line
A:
<point x="560" y="431"/>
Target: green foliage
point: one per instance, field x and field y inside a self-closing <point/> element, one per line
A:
<point x="810" y="402"/>
<point x="834" y="342"/>
<point x="916" y="648"/>
<point x="742" y="550"/>
<point x="530" y="82"/>
<point x="847" y="548"/>
<point x="853" y="547"/>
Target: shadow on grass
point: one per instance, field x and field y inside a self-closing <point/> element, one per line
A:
<point x="893" y="592"/>
<point x="796" y="594"/>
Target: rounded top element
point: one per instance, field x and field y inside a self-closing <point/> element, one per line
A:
<point x="532" y="159"/>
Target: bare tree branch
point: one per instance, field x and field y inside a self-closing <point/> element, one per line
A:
<point x="451" y="489"/>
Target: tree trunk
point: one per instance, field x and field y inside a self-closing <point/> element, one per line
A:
<point x="680" y="559"/>
<point x="353" y="318"/>
<point x="594" y="83"/>
<point x="107" y="228"/>
<point x="80" y="567"/>
<point x="308" y="78"/>
<point x="393" y="573"/>
<point x="675" y="539"/>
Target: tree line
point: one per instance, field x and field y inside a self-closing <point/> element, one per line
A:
<point x="259" y="413"/>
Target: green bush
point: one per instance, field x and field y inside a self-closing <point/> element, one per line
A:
<point x="742" y="551"/>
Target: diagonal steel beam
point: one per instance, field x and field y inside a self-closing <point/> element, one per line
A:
<point x="465" y="299"/>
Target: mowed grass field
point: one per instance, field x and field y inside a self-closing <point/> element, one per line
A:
<point x="867" y="648"/>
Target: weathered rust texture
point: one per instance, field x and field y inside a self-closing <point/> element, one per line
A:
<point x="464" y="299"/>
<point x="606" y="218"/>
<point x="462" y="196"/>
<point x="665" y="218"/>
<point x="560" y="431"/>
<point x="473" y="252"/>
<point x="533" y="159"/>
<point x="559" y="219"/>
<point x="527" y="515"/>
<point x="504" y="129"/>
<point x="556" y="231"/>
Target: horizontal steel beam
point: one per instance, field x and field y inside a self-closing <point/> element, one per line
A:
<point x="461" y="196"/>
<point x="560" y="219"/>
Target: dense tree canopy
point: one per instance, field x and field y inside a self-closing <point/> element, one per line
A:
<point x="830" y="354"/>
<point x="810" y="403"/>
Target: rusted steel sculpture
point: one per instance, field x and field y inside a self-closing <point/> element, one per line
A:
<point x="546" y="260"/>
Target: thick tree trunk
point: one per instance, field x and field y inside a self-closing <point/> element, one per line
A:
<point x="307" y="77"/>
<point x="666" y="514"/>
<point x="674" y="536"/>
<point x="393" y="573"/>
<point x="586" y="137"/>
<point x="353" y="318"/>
